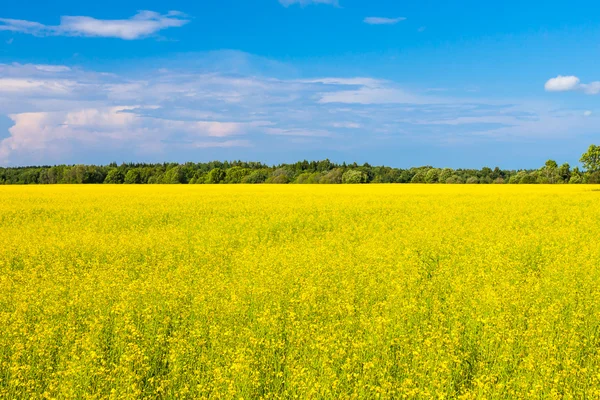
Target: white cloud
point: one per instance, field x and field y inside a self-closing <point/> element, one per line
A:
<point x="383" y="21"/>
<point x="571" y="83"/>
<point x="562" y="84"/>
<point x="587" y="113"/>
<point x="287" y="3"/>
<point x="143" y="24"/>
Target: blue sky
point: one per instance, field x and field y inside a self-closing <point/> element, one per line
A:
<point x="467" y="84"/>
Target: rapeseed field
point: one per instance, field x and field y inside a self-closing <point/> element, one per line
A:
<point x="318" y="291"/>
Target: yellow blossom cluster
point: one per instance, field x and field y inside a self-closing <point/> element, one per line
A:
<point x="318" y="291"/>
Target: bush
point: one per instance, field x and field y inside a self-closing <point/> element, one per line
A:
<point x="472" y="180"/>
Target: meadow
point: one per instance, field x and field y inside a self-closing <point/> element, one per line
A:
<point x="299" y="291"/>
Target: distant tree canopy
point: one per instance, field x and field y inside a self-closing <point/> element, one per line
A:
<point x="591" y="162"/>
<point x="302" y="172"/>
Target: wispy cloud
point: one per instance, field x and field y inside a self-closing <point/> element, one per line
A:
<point x="287" y="3"/>
<point x="188" y="108"/>
<point x="383" y="21"/>
<point x="224" y="144"/>
<point x="51" y="68"/>
<point x="143" y="24"/>
<point x="571" y="83"/>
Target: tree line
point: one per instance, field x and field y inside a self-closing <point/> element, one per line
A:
<point x="303" y="172"/>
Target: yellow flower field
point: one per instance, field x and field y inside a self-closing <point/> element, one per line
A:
<point x="316" y="291"/>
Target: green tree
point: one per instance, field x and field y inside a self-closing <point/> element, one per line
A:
<point x="157" y="178"/>
<point x="454" y="179"/>
<point x="281" y="175"/>
<point x="592" y="177"/>
<point x="198" y="178"/>
<point x="528" y="179"/>
<point x="332" y="177"/>
<point x="444" y="175"/>
<point x="419" y="177"/>
<point x="564" y="172"/>
<point x="516" y="178"/>
<point x="302" y="178"/>
<point x="591" y="159"/>
<point x="258" y="176"/>
<point x="174" y="175"/>
<point x="114" y="176"/>
<point x="432" y="175"/>
<point x="549" y="172"/>
<point x="236" y="174"/>
<point x="279" y="179"/>
<point x="315" y="177"/>
<point x="133" y="176"/>
<point x="216" y="175"/>
<point x="354" y="176"/>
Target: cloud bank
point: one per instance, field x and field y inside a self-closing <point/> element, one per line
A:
<point x="232" y="105"/>
<point x="143" y="24"/>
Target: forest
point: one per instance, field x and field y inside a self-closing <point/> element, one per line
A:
<point x="302" y="172"/>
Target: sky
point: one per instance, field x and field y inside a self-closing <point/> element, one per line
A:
<point x="450" y="84"/>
